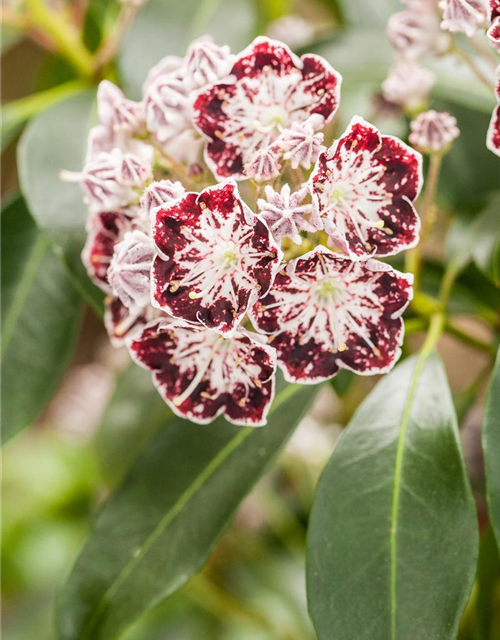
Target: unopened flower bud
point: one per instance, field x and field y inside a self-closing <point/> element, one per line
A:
<point x="207" y="62"/>
<point x="432" y="132"/>
<point x="408" y="84"/>
<point x="464" y="16"/>
<point x="301" y="145"/>
<point x="130" y="269"/>
<point x="167" y="108"/>
<point x="415" y="32"/>
<point x="262" y="165"/>
<point x="117" y="112"/>
<point x="293" y="30"/>
<point x="159" y="193"/>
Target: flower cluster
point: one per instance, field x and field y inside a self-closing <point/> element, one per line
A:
<point x="231" y="241"/>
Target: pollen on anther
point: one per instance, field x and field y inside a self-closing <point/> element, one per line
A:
<point x="192" y="295"/>
<point x="342" y="346"/>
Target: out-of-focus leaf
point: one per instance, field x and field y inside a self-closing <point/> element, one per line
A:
<point x="134" y="413"/>
<point x="392" y="513"/>
<point x="41" y="312"/>
<point x="485" y="615"/>
<point x="169" y="27"/>
<point x="160" y="526"/>
<point x="491" y="448"/>
<point x="372" y="14"/>
<point x="485" y="247"/>
<point x="53" y="141"/>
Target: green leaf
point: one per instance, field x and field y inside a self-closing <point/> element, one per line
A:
<point x="485" y="246"/>
<point x="491" y="448"/>
<point x="41" y="313"/>
<point x="158" y="529"/>
<point x="373" y="14"/>
<point x="53" y="141"/>
<point x="168" y="27"/>
<point x="392" y="541"/>
<point x="134" y="413"/>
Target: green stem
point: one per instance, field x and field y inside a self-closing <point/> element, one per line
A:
<point x="414" y="257"/>
<point x="17" y="112"/>
<point x="64" y="36"/>
<point x="108" y="50"/>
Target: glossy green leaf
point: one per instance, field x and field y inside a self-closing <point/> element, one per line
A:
<point x="160" y="526"/>
<point x="392" y="540"/>
<point x="41" y="312"/>
<point x="169" y="27"/>
<point x="53" y="141"/>
<point x="491" y="448"/>
<point x="134" y="413"/>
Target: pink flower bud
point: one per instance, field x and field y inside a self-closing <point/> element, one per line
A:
<point x="116" y="112"/>
<point x="415" y="32"/>
<point x="262" y="166"/>
<point x="464" y="16"/>
<point x="160" y="193"/>
<point x="432" y="132"/>
<point x="208" y="63"/>
<point x="168" y="108"/>
<point x="301" y="145"/>
<point x="408" y="84"/>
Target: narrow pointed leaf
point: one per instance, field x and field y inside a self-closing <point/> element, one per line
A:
<point x="392" y="541"/>
<point x="491" y="448"/>
<point x="41" y="313"/>
<point x="53" y="141"/>
<point x="158" y="529"/>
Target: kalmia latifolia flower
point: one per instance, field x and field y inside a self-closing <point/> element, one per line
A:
<point x="325" y="313"/>
<point x="216" y="258"/>
<point x="202" y="374"/>
<point x="464" y="16"/>
<point x="415" y="32"/>
<point x="363" y="189"/>
<point x="286" y="214"/>
<point x="272" y="88"/>
<point x="493" y="138"/>
<point x="494" y="34"/>
<point x="433" y="132"/>
<point x="188" y="266"/>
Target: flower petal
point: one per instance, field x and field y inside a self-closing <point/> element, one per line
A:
<point x="363" y="189"/>
<point x="271" y="89"/>
<point x="201" y="375"/>
<point x="121" y="322"/>
<point x="326" y="312"/>
<point x="216" y="258"/>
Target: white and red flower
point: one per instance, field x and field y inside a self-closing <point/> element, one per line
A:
<point x="216" y="258"/>
<point x="363" y="188"/>
<point x="325" y="313"/>
<point x="493" y="137"/>
<point x="271" y="89"/>
<point x="124" y="323"/>
<point x="201" y="374"/>
<point x="105" y="230"/>
<point x="464" y="16"/>
<point x="285" y="213"/>
<point x="494" y="34"/>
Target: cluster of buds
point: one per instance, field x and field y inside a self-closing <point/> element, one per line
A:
<point x="423" y="28"/>
<point x="231" y="241"/>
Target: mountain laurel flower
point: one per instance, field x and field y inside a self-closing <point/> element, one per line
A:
<point x="216" y="258"/>
<point x="493" y="137"/>
<point x="433" y="132"/>
<point x="111" y="180"/>
<point x="117" y="112"/>
<point x="263" y="166"/>
<point x="408" y="84"/>
<point x="124" y="323"/>
<point x="167" y="105"/>
<point x="325" y="313"/>
<point x="202" y="374"/>
<point x="129" y="273"/>
<point x="285" y="214"/>
<point x="464" y="16"/>
<point x="415" y="32"/>
<point x="301" y="144"/>
<point x="271" y="88"/>
<point x="363" y="189"/>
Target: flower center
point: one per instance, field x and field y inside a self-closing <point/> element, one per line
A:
<point x="342" y="195"/>
<point x="227" y="256"/>
<point x="274" y="116"/>
<point x="330" y="291"/>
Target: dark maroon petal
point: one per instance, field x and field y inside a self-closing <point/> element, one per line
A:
<point x="106" y="230"/>
<point x="121" y="322"/>
<point x="265" y="53"/>
<point x="494" y="132"/>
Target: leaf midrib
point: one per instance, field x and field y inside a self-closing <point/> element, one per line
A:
<point x="183" y="500"/>
<point x="30" y="272"/>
